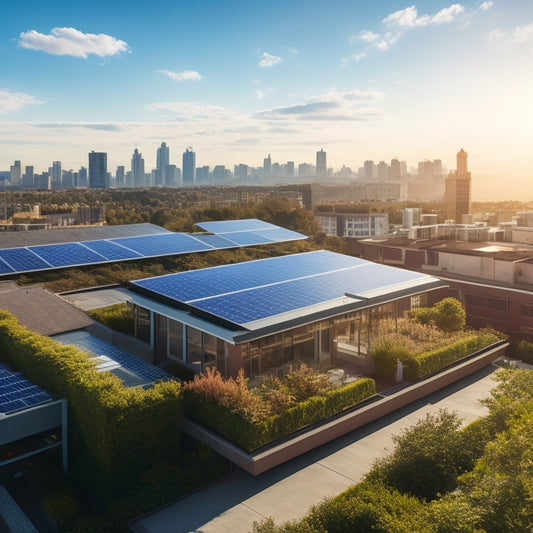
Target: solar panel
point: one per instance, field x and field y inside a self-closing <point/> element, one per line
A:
<point x="247" y="238"/>
<point x="144" y="370"/>
<point x="203" y="283"/>
<point x="73" y="253"/>
<point x="112" y="251"/>
<point x="4" y="267"/>
<point x="17" y="393"/>
<point x="164" y="244"/>
<point x="229" y="226"/>
<point x="280" y="234"/>
<point x="214" y="240"/>
<point x="247" y="292"/>
<point x="23" y="259"/>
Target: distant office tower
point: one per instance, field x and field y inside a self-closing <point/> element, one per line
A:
<point x="369" y="170"/>
<point x="137" y="169"/>
<point x="189" y="167"/>
<point x="202" y="175"/>
<point x="289" y="172"/>
<point x="97" y="169"/>
<point x="321" y="164"/>
<point x="305" y="170"/>
<point x="395" y="170"/>
<point x="55" y="174"/>
<point x="383" y="171"/>
<point x="28" y="178"/>
<point x="120" y="176"/>
<point x="410" y="217"/>
<point x="458" y="188"/>
<point x="15" y="174"/>
<point x="240" y="172"/>
<point x="219" y="173"/>
<point x="437" y="167"/>
<point x="171" y="176"/>
<point x="163" y="160"/>
<point x="67" y="179"/>
<point x="267" y="166"/>
<point x="82" y="177"/>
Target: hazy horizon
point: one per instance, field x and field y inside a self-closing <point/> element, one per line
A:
<point x="238" y="80"/>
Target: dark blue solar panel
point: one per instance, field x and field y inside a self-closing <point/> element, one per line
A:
<point x="164" y="244"/>
<point x="4" y="267"/>
<point x="23" y="259"/>
<point x="17" y="393"/>
<point x="97" y="346"/>
<point x="228" y="226"/>
<point x="67" y="254"/>
<point x="281" y="234"/>
<point x="214" y="240"/>
<point x="195" y="284"/>
<point x="111" y="250"/>
<point x="247" y="238"/>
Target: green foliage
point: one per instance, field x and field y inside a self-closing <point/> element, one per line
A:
<point x="114" y="431"/>
<point x="427" y="458"/>
<point x="180" y="371"/>
<point x="447" y="315"/>
<point x="523" y="350"/>
<point x="364" y="507"/>
<point x="118" y="317"/>
<point x="246" y="417"/>
<point x="386" y="353"/>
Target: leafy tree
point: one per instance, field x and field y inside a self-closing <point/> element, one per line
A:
<point x="449" y="315"/>
<point x="427" y="459"/>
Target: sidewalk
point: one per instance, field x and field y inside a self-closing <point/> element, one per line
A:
<point x="287" y="491"/>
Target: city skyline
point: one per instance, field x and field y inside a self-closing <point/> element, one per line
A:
<point x="237" y="81"/>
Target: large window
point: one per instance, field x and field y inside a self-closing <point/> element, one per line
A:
<point x="500" y="304"/>
<point x="175" y="340"/>
<point x="141" y="320"/>
<point x="194" y="348"/>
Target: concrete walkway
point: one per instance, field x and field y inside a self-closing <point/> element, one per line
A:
<point x="286" y="492"/>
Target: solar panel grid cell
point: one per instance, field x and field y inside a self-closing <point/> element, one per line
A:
<point x="23" y="260"/>
<point x="226" y="226"/>
<point x="67" y="254"/>
<point x="111" y="250"/>
<point x="164" y="244"/>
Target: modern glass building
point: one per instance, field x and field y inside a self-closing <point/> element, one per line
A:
<point x="268" y="316"/>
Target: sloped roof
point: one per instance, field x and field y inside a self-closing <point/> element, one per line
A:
<point x="40" y="310"/>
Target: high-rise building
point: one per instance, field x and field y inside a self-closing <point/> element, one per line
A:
<point x="458" y="189"/>
<point x="137" y="169"/>
<point x="202" y="175"/>
<point x="383" y="171"/>
<point x="321" y="164"/>
<point x="120" y="176"/>
<point x="189" y="167"/>
<point x="171" y="176"/>
<point x="68" y="179"/>
<point x="290" y="169"/>
<point x="395" y="170"/>
<point x="368" y="170"/>
<point x="82" y="177"/>
<point x="28" y="178"/>
<point x="163" y="160"/>
<point x="55" y="174"/>
<point x="219" y="173"/>
<point x="15" y="174"/>
<point x="97" y="169"/>
<point x="267" y="166"/>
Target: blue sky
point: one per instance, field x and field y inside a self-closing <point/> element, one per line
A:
<point x="237" y="80"/>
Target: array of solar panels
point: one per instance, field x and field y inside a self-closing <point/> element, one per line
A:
<point x="246" y="292"/>
<point x="232" y="234"/>
<point x="132" y="370"/>
<point x="17" y="393"/>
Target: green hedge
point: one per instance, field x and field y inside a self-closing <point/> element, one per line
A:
<point x="249" y="435"/>
<point x="428" y="362"/>
<point x="114" y="432"/>
<point x="118" y="317"/>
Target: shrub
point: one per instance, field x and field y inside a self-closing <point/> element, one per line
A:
<point x="118" y="317"/>
<point x="448" y="315"/>
<point x="114" y="431"/>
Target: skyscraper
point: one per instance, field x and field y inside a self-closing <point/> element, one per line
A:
<point x="321" y="164"/>
<point x="28" y="178"/>
<point x="267" y="166"/>
<point x="15" y="174"/>
<point x="120" y="176"/>
<point x="97" y="169"/>
<point x="189" y="167"/>
<point x="55" y="174"/>
<point x="458" y="188"/>
<point x="369" y="170"/>
<point x="163" y="158"/>
<point x="137" y="169"/>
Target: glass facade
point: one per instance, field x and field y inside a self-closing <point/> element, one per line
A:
<point x="345" y="339"/>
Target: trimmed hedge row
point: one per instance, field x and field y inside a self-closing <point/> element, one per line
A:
<point x="418" y="366"/>
<point x="115" y="432"/>
<point x="249" y="435"/>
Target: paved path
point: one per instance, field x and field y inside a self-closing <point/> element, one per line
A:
<point x="287" y="491"/>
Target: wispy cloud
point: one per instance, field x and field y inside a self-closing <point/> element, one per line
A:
<point x="72" y="42"/>
<point x="332" y="106"/>
<point x="80" y="125"/>
<point x="513" y="36"/>
<point x="486" y="5"/>
<point x="184" y="75"/>
<point x="398" y="22"/>
<point x="11" y="101"/>
<point x="263" y="93"/>
<point x="268" y="60"/>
